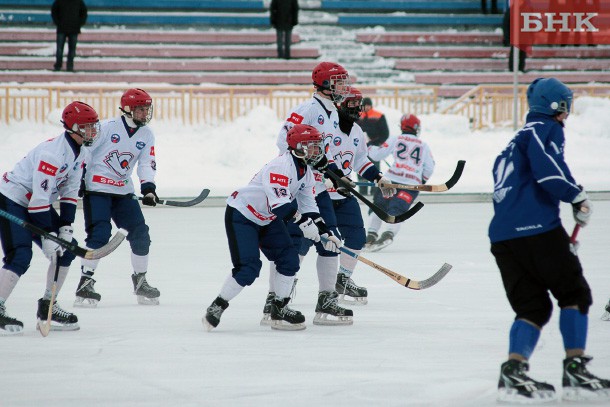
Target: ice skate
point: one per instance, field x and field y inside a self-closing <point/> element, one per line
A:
<point x="61" y="320"/>
<point x="328" y="311"/>
<point x="86" y="296"/>
<point x="515" y="386"/>
<point x="606" y="316"/>
<point x="345" y="286"/>
<point x="266" y="320"/>
<point x="214" y="312"/>
<point x="147" y="295"/>
<point x="579" y="384"/>
<point x="371" y="237"/>
<point x="8" y="325"/>
<point x="384" y="240"/>
<point x="285" y="318"/>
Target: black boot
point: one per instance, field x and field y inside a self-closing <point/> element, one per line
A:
<point x="285" y="318"/>
<point x="61" y="320"/>
<point x="515" y="386"/>
<point x="214" y="312"/>
<point x="579" y="384"/>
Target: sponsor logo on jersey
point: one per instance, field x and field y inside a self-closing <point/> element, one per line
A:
<point x="320" y="120"/>
<point x="152" y="150"/>
<point x="337" y="141"/>
<point x="278" y="179"/>
<point x="115" y="138"/>
<point x="405" y="196"/>
<point x="107" y="181"/>
<point x="295" y="118"/>
<point x="63" y="168"/>
<point x="140" y="145"/>
<point x="47" y="168"/>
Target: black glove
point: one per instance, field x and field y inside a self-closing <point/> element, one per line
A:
<point x="150" y="197"/>
<point x="321" y="164"/>
<point x="339" y="187"/>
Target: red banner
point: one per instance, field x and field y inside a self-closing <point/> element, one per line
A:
<point x="559" y="22"/>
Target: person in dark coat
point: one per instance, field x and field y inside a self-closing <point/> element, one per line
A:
<point x="284" y="15"/>
<point x="69" y="16"/>
<point x="375" y="126"/>
<point x="506" y="42"/>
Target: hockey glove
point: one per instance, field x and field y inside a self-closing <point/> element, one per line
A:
<point x="387" y="192"/>
<point x="330" y="242"/>
<point x="50" y="248"/>
<point x="309" y="229"/>
<point x="341" y="187"/>
<point x="150" y="197"/>
<point x="65" y="233"/>
<point x="321" y="164"/>
<point x="582" y="209"/>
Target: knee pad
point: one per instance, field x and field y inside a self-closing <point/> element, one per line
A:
<point x="355" y="237"/>
<point x="247" y="272"/>
<point x="139" y="239"/>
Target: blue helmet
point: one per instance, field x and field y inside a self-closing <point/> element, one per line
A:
<point x="549" y="96"/>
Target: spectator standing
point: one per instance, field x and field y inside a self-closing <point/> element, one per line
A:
<point x="284" y="15"/>
<point x="494" y="6"/>
<point x="375" y="127"/>
<point x="69" y="16"/>
<point x="506" y="42"/>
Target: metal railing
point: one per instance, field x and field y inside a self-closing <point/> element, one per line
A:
<point x="194" y="105"/>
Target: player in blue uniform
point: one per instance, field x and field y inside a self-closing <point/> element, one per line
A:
<point x="533" y="252"/>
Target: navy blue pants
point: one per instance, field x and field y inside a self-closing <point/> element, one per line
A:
<point x="17" y="241"/>
<point x="327" y="212"/>
<point x="247" y="240"/>
<point x="125" y="212"/>
<point x="350" y="223"/>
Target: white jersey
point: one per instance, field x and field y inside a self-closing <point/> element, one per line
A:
<point x="349" y="153"/>
<point x="413" y="161"/>
<point x="114" y="156"/>
<point x="317" y="112"/>
<point x="276" y="184"/>
<point x="49" y="172"/>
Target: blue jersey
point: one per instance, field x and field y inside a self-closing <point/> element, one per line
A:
<point x="530" y="179"/>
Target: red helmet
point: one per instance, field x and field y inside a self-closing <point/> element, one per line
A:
<point x="352" y="105"/>
<point x="410" y="124"/>
<point x="133" y="98"/>
<point x="333" y="77"/>
<point x="306" y="142"/>
<point x="81" y="119"/>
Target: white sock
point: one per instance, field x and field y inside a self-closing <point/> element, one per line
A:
<point x="272" y="273"/>
<point x="374" y="223"/>
<point x="230" y="289"/>
<point x="394" y="228"/>
<point x="61" y="277"/>
<point x="327" y="272"/>
<point x="283" y="285"/>
<point x="348" y="263"/>
<point x="139" y="263"/>
<point x="8" y="281"/>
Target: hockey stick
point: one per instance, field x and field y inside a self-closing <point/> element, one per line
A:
<point x="400" y="279"/>
<point x="383" y="215"/>
<point x="89" y="254"/>
<point x="423" y="187"/>
<point x="167" y="202"/>
<point x="45" y="327"/>
<point x="574" y="234"/>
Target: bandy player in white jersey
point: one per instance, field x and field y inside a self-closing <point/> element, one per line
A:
<point x="51" y="171"/>
<point x="413" y="164"/>
<point x="256" y="221"/>
<point x="331" y="82"/>
<point x="124" y="142"/>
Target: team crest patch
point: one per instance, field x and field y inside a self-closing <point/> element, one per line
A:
<point x="115" y="138"/>
<point x="320" y="120"/>
<point x="337" y="141"/>
<point x="63" y="168"/>
<point x="140" y="145"/>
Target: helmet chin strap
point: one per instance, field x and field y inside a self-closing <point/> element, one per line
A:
<point x="130" y="121"/>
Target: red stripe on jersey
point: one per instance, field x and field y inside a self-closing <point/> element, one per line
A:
<point x="295" y="118"/>
<point x="258" y="215"/>
<point x="47" y="168"/>
<point x="278" y="179"/>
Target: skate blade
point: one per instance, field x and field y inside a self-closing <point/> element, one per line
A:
<point x="85" y="302"/>
<point x="147" y="301"/>
<point x="343" y="299"/>
<point x="606" y="316"/>
<point x="332" y="320"/>
<point x="56" y="326"/>
<point x="512" y="396"/>
<point x="266" y="320"/>
<point x="207" y="325"/>
<point x="376" y="247"/>
<point x="582" y="394"/>
<point x="286" y="326"/>
<point x="11" y="330"/>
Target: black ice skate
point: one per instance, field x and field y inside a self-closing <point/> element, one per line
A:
<point x="579" y="384"/>
<point x="213" y="313"/>
<point x="284" y="318"/>
<point x="266" y="320"/>
<point x="86" y="296"/>
<point x="371" y="237"/>
<point x="147" y="295"/>
<point x="61" y="320"/>
<point x="328" y="311"/>
<point x="346" y="287"/>
<point x="384" y="240"/>
<point x="606" y="316"/>
<point x="516" y="387"/>
<point x="8" y="325"/>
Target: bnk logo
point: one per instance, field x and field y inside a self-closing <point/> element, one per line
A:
<point x="559" y="22"/>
